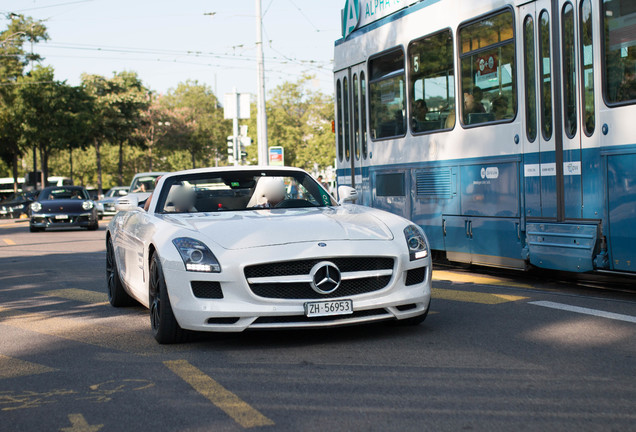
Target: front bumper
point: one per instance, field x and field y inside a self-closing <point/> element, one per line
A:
<point x="240" y="308"/>
<point x="52" y="220"/>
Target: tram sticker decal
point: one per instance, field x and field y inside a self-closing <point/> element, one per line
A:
<point x="572" y="168"/>
<point x="490" y="173"/>
<point x="531" y="170"/>
<point x="548" y="169"/>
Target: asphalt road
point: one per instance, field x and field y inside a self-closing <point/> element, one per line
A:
<point x="495" y="354"/>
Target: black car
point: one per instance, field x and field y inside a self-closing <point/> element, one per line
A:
<point x="17" y="204"/>
<point x="63" y="206"/>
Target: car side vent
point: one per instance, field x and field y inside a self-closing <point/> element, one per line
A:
<point x="436" y="183"/>
<point x="415" y="276"/>
<point x="206" y="289"/>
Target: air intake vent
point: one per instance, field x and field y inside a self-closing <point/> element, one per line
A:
<point x="208" y="290"/>
<point x="435" y="183"/>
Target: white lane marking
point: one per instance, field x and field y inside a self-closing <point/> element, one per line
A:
<point x="586" y="311"/>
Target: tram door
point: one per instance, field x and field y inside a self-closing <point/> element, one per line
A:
<point x="582" y="185"/>
<point x="557" y="46"/>
<point x="540" y="152"/>
<point x="352" y="135"/>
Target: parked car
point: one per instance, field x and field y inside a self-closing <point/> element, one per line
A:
<point x="63" y="206"/>
<point x="17" y="205"/>
<point x="229" y="249"/>
<point x="106" y="205"/>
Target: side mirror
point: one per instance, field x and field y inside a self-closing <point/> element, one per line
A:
<point x="127" y="203"/>
<point x="347" y="194"/>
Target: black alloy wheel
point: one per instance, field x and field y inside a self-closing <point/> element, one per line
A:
<point x="117" y="296"/>
<point x="164" y="325"/>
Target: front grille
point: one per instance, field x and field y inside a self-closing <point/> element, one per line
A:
<point x="304" y="319"/>
<point x="303" y="267"/>
<point x="347" y="288"/>
<point x="415" y="276"/>
<point x="207" y="290"/>
<point x="303" y="290"/>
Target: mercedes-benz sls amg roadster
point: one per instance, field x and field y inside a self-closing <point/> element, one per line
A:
<point x="236" y="248"/>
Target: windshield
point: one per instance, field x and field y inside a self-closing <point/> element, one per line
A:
<point x="117" y="193"/>
<point x="144" y="183"/>
<point x="232" y="191"/>
<point x="64" y="193"/>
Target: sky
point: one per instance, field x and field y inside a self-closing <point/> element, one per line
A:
<point x="168" y="41"/>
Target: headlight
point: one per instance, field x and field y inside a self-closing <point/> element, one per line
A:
<point x="416" y="242"/>
<point x="87" y="205"/>
<point x="196" y="256"/>
<point x="36" y="206"/>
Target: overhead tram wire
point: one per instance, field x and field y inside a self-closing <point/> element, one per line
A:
<point x="52" y="6"/>
<point x="283" y="59"/>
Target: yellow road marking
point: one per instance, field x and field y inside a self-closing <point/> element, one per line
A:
<point x="11" y="367"/>
<point x="9" y="242"/>
<point x="473" y="297"/>
<point x="231" y="404"/>
<point x="442" y="275"/>
<point x="100" y="333"/>
<point x="84" y="296"/>
<point x="79" y="424"/>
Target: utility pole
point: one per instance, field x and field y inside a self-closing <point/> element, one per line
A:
<point x="261" y="119"/>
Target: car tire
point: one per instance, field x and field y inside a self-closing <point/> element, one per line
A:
<point x="35" y="229"/>
<point x="94" y="226"/>
<point x="117" y="296"/>
<point x="164" y="325"/>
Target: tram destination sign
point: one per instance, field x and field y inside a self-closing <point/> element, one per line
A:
<point x="359" y="13"/>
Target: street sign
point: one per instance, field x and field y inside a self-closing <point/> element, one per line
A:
<point x="276" y="156"/>
<point x="230" y="108"/>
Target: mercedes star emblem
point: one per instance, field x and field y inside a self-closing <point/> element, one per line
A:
<point x="325" y="277"/>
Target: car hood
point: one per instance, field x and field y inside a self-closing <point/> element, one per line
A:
<point x="62" y="206"/>
<point x="257" y="228"/>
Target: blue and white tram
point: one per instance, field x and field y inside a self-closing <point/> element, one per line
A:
<point x="503" y="128"/>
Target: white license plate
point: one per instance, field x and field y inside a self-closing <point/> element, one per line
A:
<point x="326" y="308"/>
<point x="61" y="216"/>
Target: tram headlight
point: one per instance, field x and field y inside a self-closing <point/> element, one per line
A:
<point x="416" y="242"/>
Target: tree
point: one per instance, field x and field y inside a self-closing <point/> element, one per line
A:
<point x="118" y="104"/>
<point x="50" y="113"/>
<point x="13" y="59"/>
<point x="299" y="120"/>
<point x="126" y="100"/>
<point x="203" y="130"/>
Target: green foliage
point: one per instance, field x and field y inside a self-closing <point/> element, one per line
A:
<point x="299" y="119"/>
<point x="107" y="129"/>
<point x="13" y="59"/>
<point x="197" y="124"/>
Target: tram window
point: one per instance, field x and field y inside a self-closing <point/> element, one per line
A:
<point x="363" y="112"/>
<point x="356" y="117"/>
<point x="587" y="68"/>
<point x="531" y="82"/>
<point x="339" y="115"/>
<point x="620" y="51"/>
<point x="569" y="70"/>
<point x="387" y="95"/>
<point x="545" y="65"/>
<point x="432" y="83"/>
<point x="487" y="62"/>
<point x="347" y="130"/>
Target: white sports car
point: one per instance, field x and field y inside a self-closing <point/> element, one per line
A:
<point x="229" y="249"/>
